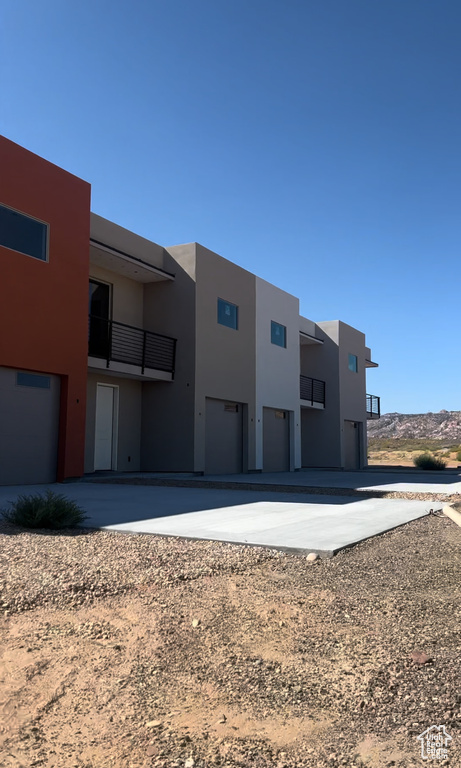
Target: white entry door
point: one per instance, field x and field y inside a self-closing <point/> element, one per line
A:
<point x="105" y="427"/>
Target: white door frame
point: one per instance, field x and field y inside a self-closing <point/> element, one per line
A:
<point x="115" y="389"/>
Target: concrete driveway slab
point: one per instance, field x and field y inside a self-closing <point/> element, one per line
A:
<point x="302" y="527"/>
<point x="322" y="524"/>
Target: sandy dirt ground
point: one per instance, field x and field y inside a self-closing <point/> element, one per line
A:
<point x="141" y="652"/>
<point x="405" y="458"/>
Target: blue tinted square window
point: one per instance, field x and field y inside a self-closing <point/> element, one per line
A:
<point x="227" y="314"/>
<point x="278" y="334"/>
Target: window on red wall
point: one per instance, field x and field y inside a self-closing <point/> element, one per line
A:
<point x="23" y="234"/>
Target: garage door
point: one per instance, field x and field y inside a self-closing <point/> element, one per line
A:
<point x="29" y="424"/>
<point x="224" y="437"/>
<point x="276" y="440"/>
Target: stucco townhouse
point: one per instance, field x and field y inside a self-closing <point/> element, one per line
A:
<point x="119" y="354"/>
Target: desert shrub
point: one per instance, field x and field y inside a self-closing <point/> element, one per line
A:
<point x="428" y="461"/>
<point x="458" y="456"/>
<point x="48" y="510"/>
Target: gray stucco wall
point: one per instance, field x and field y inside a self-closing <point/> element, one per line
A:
<point x="320" y="435"/>
<point x="323" y="433"/>
<point x="167" y="441"/>
<point x="129" y="421"/>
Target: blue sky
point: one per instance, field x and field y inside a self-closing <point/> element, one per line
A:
<point x="314" y="142"/>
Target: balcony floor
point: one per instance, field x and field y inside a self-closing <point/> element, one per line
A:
<point x="126" y="370"/>
<point x="315" y="406"/>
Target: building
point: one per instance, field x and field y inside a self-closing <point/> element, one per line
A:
<point x="121" y="354"/>
<point x="44" y="261"/>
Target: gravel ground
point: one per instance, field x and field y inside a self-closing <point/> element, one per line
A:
<point x="135" y="651"/>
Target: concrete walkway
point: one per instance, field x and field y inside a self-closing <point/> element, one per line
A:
<point x="364" y="480"/>
<point x="369" y="480"/>
<point x="302" y="524"/>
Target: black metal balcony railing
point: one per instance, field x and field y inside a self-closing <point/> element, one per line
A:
<point x="312" y="390"/>
<point x="123" y="343"/>
<point x="373" y="407"/>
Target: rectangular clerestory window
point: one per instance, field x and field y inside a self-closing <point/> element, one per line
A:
<point x="23" y="233"/>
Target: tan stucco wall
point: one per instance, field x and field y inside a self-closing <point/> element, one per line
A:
<point x="307" y="326"/>
<point x="118" y="237"/>
<point x="129" y="421"/>
<point x="225" y="358"/>
<point x="353" y="385"/>
<point x="277" y="368"/>
<point x="127" y="295"/>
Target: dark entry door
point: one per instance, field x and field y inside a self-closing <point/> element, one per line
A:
<point x="99" y="312"/>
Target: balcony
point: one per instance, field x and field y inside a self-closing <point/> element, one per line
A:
<point x="373" y="407"/>
<point x="121" y="348"/>
<point x="312" y="392"/>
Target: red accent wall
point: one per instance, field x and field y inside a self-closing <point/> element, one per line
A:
<point x="44" y="305"/>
